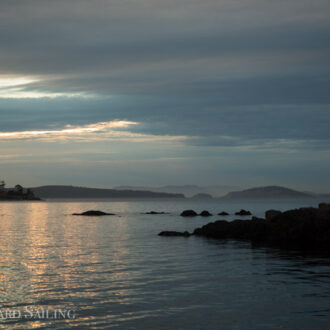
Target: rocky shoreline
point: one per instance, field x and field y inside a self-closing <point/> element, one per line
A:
<point x="304" y="228"/>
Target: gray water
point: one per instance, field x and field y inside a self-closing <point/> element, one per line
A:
<point x="116" y="272"/>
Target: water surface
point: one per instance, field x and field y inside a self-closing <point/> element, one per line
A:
<point x="115" y="272"/>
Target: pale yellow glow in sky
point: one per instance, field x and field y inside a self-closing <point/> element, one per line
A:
<point x="9" y="81"/>
<point x="20" y="93"/>
<point x="70" y="130"/>
<point x="12" y="87"/>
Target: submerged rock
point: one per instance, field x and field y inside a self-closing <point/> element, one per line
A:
<point x="243" y="212"/>
<point x="93" y="213"/>
<point x="223" y="213"/>
<point x="174" y="233"/>
<point x="188" y="213"/>
<point x="205" y="214"/>
<point x="155" y="212"/>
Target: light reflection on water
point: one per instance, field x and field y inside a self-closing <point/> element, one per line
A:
<point x="116" y="271"/>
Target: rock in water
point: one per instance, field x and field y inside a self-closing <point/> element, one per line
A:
<point x="205" y="214"/>
<point x="223" y="213"/>
<point x="188" y="213"/>
<point x="324" y="206"/>
<point x="154" y="212"/>
<point x="305" y="228"/>
<point x="254" y="230"/>
<point x="243" y="212"/>
<point x="93" y="213"/>
<point x="174" y="233"/>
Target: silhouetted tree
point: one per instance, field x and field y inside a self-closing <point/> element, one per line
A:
<point x="2" y="185"/>
<point x="19" y="189"/>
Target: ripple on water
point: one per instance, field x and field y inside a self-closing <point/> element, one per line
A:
<point x="116" y="272"/>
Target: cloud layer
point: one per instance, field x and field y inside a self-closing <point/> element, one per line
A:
<point x="249" y="75"/>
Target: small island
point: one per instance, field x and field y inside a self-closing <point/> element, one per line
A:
<point x="16" y="194"/>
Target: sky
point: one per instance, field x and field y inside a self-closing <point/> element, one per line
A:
<point x="152" y="92"/>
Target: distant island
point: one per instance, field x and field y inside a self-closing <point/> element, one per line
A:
<point x="187" y="190"/>
<point x="17" y="193"/>
<point x="75" y="192"/>
<point x="84" y="192"/>
<point x="226" y="192"/>
<point x="270" y="192"/>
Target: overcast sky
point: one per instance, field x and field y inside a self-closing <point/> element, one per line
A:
<point x="156" y="92"/>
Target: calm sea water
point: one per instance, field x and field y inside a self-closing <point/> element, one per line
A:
<point x="115" y="272"/>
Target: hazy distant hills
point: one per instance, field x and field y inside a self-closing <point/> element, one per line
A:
<point x="227" y="192"/>
<point x="274" y="192"/>
<point x="187" y="190"/>
<point x="83" y="192"/>
<point x="123" y="192"/>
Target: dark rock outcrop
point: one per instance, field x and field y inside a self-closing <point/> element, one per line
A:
<point x="155" y="212"/>
<point x="305" y="228"/>
<point x="324" y="206"/>
<point x="223" y="213"/>
<point x="188" y="213"/>
<point x="256" y="218"/>
<point x="93" y="213"/>
<point x="270" y="214"/>
<point x="174" y="233"/>
<point x="205" y="214"/>
<point x="243" y="212"/>
<point x="254" y="230"/>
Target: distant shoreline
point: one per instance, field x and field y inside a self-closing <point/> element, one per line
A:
<point x="258" y="193"/>
<point x="74" y="192"/>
